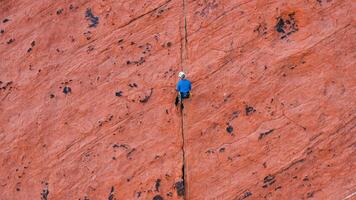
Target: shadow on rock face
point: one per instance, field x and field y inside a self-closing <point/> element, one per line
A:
<point x="180" y="188"/>
<point x="118" y="93"/>
<point x="157" y="197"/>
<point x="158" y="184"/>
<point x="111" y="194"/>
<point x="249" y="110"/>
<point x="45" y="192"/>
<point x="286" y="25"/>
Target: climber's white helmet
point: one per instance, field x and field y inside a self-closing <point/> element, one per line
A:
<point x="181" y="75"/>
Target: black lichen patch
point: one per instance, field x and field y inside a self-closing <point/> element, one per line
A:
<point x="229" y="129"/>
<point x="169" y="73"/>
<point x="280" y="26"/>
<point x="124" y="146"/>
<point x="290" y="66"/>
<point x="90" y="48"/>
<point x="118" y="93"/>
<point x="310" y="194"/>
<point x="45" y="192"/>
<point x="73" y="8"/>
<point x="157" y="184"/>
<point x="129" y="154"/>
<point x="264" y="165"/>
<point x="7" y="85"/>
<point x="262" y="135"/>
<point x="136" y="62"/>
<point x="156" y="36"/>
<point x="72" y="39"/>
<point x="2" y="31"/>
<point x="247" y="194"/>
<point x="51" y="96"/>
<point x="67" y="90"/>
<point x="5" y="20"/>
<point x="146" y="48"/>
<point x="278" y="188"/>
<point x="244" y="195"/>
<point x="108" y="119"/>
<point x="286" y="25"/>
<point x="210" y="151"/>
<point x="157" y="197"/>
<point x="18" y="185"/>
<point x="111" y="194"/>
<point x="268" y="180"/>
<point x="88" y="35"/>
<point x="249" y="110"/>
<point x="159" y="12"/>
<point x="261" y="29"/>
<point x="234" y="115"/>
<point x="179" y="186"/>
<point x="59" y="11"/>
<point x="167" y="45"/>
<point x="10" y="41"/>
<point x="146" y="97"/>
<point x="33" y="43"/>
<point x="132" y="85"/>
<point x="94" y="20"/>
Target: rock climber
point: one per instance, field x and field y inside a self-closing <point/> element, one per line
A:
<point x="183" y="88"/>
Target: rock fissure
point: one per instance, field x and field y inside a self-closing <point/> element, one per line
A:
<point x="182" y="188"/>
<point x="144" y="14"/>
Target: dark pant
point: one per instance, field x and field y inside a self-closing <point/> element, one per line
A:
<point x="183" y="95"/>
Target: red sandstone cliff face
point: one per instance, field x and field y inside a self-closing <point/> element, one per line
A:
<point x="87" y="91"/>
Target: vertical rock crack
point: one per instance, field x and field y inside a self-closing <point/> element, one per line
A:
<point x="183" y="57"/>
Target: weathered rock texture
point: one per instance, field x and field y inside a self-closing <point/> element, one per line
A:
<point x="87" y="92"/>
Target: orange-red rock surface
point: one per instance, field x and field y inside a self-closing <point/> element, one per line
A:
<point x="87" y="99"/>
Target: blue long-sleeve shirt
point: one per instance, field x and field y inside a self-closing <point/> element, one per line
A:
<point x="184" y="85"/>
